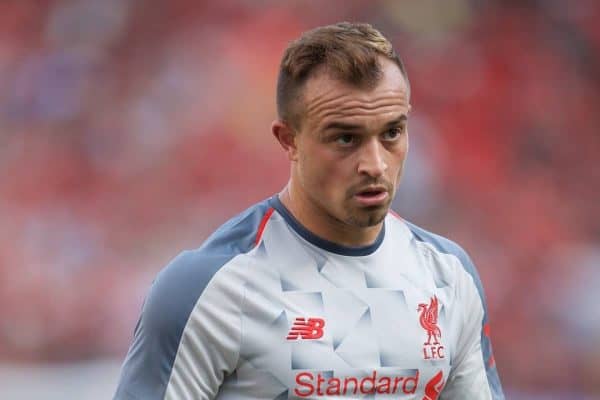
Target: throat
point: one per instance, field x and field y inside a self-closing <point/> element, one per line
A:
<point x="354" y="231"/>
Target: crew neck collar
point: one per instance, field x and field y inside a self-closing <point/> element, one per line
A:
<point x="325" y="244"/>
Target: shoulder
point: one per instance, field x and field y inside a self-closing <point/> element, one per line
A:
<point x="440" y="243"/>
<point x="471" y="277"/>
<point x="447" y="246"/>
<point x="178" y="286"/>
<point x="173" y="297"/>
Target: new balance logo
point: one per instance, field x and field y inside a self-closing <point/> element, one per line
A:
<point x="308" y="329"/>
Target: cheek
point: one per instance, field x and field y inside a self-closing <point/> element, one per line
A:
<point x="396" y="164"/>
<point x="398" y="157"/>
<point x="316" y="171"/>
<point x="403" y="151"/>
<point x="328" y="175"/>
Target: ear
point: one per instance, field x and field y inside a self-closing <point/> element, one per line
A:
<point x="286" y="137"/>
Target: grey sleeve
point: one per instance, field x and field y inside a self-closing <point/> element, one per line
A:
<point x="484" y="344"/>
<point x="149" y="362"/>
<point x="468" y="377"/>
<point x="185" y="338"/>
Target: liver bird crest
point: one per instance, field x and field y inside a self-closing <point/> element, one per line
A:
<point x="428" y="320"/>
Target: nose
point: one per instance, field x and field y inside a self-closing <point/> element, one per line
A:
<point x="371" y="160"/>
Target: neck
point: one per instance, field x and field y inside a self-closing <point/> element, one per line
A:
<point x="324" y="225"/>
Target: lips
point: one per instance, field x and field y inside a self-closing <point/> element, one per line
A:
<point x="372" y="196"/>
<point x="371" y="190"/>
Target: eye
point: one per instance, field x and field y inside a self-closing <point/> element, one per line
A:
<point x="345" y="139"/>
<point x="393" y="133"/>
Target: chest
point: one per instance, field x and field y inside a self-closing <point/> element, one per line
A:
<point x="345" y="334"/>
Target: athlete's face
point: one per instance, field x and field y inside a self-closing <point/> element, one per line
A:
<point x="351" y="147"/>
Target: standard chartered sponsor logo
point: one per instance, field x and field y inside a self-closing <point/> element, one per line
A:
<point x="309" y="384"/>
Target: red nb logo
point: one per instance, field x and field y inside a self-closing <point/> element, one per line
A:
<point x="434" y="387"/>
<point x="306" y="329"/>
<point x="428" y="320"/>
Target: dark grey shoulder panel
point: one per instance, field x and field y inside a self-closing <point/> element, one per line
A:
<point x="170" y="301"/>
<point x="449" y="247"/>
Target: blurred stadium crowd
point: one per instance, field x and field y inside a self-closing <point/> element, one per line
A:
<point x="129" y="130"/>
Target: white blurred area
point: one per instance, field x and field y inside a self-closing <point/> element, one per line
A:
<point x="88" y="380"/>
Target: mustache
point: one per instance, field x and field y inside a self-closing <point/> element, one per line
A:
<point x="382" y="184"/>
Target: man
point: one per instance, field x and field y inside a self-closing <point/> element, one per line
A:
<point x="320" y="291"/>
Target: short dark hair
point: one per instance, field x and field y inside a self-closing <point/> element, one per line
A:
<point x="348" y="51"/>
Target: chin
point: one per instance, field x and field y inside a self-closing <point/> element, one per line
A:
<point x="367" y="218"/>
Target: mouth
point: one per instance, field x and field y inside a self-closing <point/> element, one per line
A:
<point x="372" y="196"/>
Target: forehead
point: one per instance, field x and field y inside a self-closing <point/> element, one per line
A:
<point x="326" y="98"/>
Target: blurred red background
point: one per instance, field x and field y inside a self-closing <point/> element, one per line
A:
<point x="130" y="130"/>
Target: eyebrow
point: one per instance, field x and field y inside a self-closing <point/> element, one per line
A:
<point x="345" y="126"/>
<point x="396" y="121"/>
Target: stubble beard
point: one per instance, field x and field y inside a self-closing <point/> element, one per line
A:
<point x="367" y="217"/>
